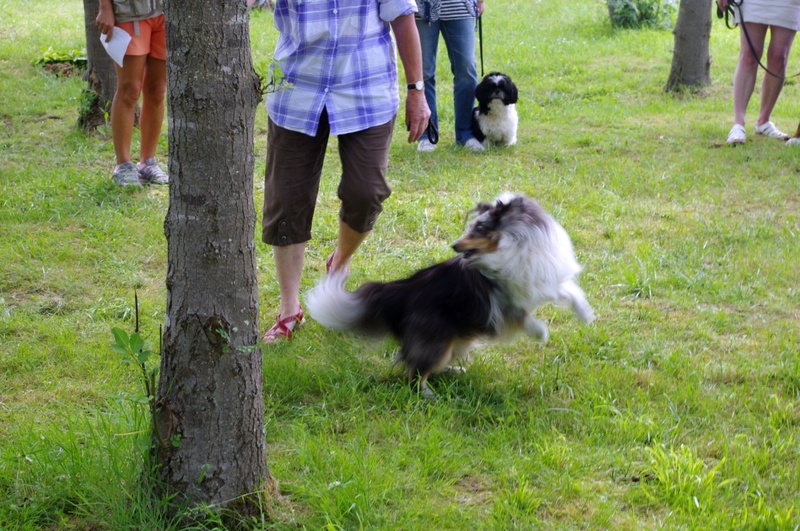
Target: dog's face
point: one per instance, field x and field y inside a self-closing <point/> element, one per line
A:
<point x="483" y="236"/>
<point x="496" y="86"/>
<point x="506" y="219"/>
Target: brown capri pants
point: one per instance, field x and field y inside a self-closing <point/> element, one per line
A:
<point x="294" y="168"/>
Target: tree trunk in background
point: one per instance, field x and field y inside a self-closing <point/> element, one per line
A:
<point x="691" y="62"/>
<point x="210" y="443"/>
<point x="100" y="74"/>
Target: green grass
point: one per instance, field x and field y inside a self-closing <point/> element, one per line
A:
<point x="679" y="408"/>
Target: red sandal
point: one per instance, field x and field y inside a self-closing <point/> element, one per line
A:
<point x="329" y="263"/>
<point x="281" y="330"/>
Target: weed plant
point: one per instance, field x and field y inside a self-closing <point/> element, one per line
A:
<point x="679" y="408"/>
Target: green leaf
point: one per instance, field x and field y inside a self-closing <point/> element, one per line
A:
<point x="120" y="350"/>
<point x="143" y="356"/>
<point x="137" y="343"/>
<point x="120" y="337"/>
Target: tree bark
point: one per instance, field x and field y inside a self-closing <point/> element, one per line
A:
<point x="691" y="62"/>
<point x="210" y="443"/>
<point x="100" y="74"/>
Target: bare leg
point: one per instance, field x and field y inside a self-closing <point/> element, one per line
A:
<point x="780" y="42"/>
<point x="744" y="78"/>
<point x="349" y="240"/>
<point x="154" y="88"/>
<point x="123" y="107"/>
<point x="289" y="269"/>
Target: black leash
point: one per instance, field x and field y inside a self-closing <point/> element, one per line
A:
<point x="432" y="132"/>
<point x="479" y="23"/>
<point x="727" y="15"/>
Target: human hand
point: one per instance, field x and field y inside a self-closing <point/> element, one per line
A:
<point x="417" y="114"/>
<point x="105" y="22"/>
<point x="723" y="4"/>
<point x="481" y="7"/>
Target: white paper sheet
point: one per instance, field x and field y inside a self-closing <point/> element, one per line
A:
<point x="118" y="44"/>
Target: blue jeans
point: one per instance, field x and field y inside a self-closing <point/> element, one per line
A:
<point x="459" y="39"/>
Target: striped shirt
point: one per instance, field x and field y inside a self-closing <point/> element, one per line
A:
<point x="339" y="56"/>
<point x="454" y="10"/>
<point x="435" y="10"/>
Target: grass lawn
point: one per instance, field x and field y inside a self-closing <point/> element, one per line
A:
<point x="679" y="408"/>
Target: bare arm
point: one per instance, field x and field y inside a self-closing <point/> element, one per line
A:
<point x="417" y="111"/>
<point x="105" y="19"/>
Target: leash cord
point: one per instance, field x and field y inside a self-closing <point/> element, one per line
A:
<point x="479" y="23"/>
<point x="727" y="14"/>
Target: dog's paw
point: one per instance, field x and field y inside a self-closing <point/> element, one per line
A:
<point x="536" y="328"/>
<point x="426" y="392"/>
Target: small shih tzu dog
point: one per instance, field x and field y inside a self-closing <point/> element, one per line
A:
<point x="494" y="120"/>
<point x="513" y="258"/>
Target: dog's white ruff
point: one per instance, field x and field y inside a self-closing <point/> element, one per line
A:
<point x="535" y="265"/>
<point x="500" y="125"/>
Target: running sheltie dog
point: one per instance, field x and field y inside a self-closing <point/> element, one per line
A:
<point x="494" y="120"/>
<point x="513" y="258"/>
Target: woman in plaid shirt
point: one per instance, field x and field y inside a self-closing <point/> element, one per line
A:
<point x="338" y="67"/>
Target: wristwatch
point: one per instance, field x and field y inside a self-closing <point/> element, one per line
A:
<point x="419" y="85"/>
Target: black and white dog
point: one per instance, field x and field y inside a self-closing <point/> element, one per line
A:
<point x="494" y="120"/>
<point x="513" y="258"/>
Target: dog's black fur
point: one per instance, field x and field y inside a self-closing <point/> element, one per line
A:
<point x="514" y="258"/>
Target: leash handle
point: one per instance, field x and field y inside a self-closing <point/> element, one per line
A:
<point x="432" y="132"/>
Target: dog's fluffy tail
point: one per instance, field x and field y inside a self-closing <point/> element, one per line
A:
<point x="332" y="306"/>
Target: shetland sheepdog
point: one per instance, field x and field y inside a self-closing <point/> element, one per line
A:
<point x="513" y="258"/>
<point x="494" y="120"/>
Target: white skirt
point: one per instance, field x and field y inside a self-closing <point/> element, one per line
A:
<point x="783" y="13"/>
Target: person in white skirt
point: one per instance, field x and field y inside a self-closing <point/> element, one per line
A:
<point x="782" y="19"/>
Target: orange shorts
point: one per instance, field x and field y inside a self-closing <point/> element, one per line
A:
<point x="151" y="40"/>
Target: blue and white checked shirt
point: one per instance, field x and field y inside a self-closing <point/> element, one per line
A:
<point x="339" y="55"/>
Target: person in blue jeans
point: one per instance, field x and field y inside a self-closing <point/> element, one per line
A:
<point x="455" y="21"/>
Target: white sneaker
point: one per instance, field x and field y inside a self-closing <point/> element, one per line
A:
<point x="473" y="145"/>
<point x="769" y="130"/>
<point x="425" y="146"/>
<point x="737" y="135"/>
<point x="794" y="141"/>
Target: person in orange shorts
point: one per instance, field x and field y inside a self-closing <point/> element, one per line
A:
<point x="143" y="73"/>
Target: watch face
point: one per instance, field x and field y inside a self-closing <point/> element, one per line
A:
<point x="419" y="85"/>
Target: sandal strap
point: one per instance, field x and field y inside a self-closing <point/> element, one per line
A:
<point x="329" y="264"/>
<point x="281" y="328"/>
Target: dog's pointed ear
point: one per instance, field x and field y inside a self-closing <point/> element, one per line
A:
<point x="482" y="207"/>
<point x="501" y="207"/>
<point x="479" y="209"/>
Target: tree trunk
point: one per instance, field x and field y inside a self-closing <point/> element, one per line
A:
<point x="691" y="62"/>
<point x="100" y="74"/>
<point x="210" y="443"/>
